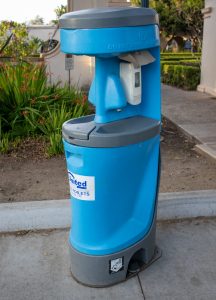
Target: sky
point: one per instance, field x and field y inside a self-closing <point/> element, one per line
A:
<point x="25" y="10"/>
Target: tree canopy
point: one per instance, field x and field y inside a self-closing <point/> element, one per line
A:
<point x="60" y="10"/>
<point x="179" y="17"/>
<point x="37" y="21"/>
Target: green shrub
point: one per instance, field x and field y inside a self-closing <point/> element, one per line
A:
<point x="172" y="62"/>
<point x="180" y="57"/>
<point x="30" y="107"/>
<point x="15" y="41"/>
<point x="190" y="62"/>
<point x="185" y="62"/>
<point x="4" y="143"/>
<point x="181" y="54"/>
<point x="50" y="124"/>
<point x="21" y="86"/>
<point x="55" y="144"/>
<point x="185" y="77"/>
<point x="177" y="58"/>
<point x="181" y="69"/>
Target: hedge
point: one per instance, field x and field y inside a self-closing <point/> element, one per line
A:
<point x="186" y="77"/>
<point x="189" y="62"/>
<point x="170" y="62"/>
<point x="185" y="62"/>
<point x="180" y="54"/>
<point x="176" y="58"/>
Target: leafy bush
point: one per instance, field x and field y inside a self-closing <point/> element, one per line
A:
<point x="191" y="62"/>
<point x="21" y="87"/>
<point x="186" y="62"/>
<point x="50" y="124"/>
<point x="186" y="77"/>
<point x="30" y="107"/>
<point x="181" y="69"/>
<point x="181" y="54"/>
<point x="15" y="42"/>
<point x="4" y="143"/>
<point x="170" y="62"/>
<point x="176" y="58"/>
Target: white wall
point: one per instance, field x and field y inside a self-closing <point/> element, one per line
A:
<point x="81" y="75"/>
<point x="208" y="68"/>
<point x="77" y="4"/>
<point x="83" y="70"/>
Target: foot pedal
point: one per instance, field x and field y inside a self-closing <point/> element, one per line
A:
<point x="136" y="266"/>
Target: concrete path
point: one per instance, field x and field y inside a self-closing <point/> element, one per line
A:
<point x="35" y="266"/>
<point x="56" y="214"/>
<point x="187" y="269"/>
<point x="195" y="114"/>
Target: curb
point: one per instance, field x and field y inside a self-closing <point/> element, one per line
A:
<point x="55" y="214"/>
<point x="34" y="215"/>
<point x="187" y="205"/>
<point x="206" y="149"/>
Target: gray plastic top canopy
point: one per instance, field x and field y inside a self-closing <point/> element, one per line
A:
<point x="109" y="17"/>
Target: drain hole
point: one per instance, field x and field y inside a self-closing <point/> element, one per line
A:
<point x="137" y="261"/>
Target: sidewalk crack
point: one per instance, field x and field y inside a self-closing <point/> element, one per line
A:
<point x="142" y="291"/>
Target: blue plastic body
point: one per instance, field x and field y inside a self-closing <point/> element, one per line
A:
<point x="125" y="186"/>
<point x="126" y="178"/>
<point x="106" y="92"/>
<point x="109" y="41"/>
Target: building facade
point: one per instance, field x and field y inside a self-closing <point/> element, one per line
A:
<point x="208" y="66"/>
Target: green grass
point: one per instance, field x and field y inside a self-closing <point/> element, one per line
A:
<point x="4" y="143"/>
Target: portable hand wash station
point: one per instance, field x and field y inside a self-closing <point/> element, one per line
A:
<point x="113" y="157"/>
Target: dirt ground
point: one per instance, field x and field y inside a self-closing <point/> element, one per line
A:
<point x="26" y="174"/>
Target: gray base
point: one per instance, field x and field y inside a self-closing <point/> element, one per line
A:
<point x="95" y="271"/>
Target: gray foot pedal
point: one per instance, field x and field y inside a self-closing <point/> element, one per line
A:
<point x="137" y="266"/>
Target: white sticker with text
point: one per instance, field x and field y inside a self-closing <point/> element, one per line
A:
<point x="82" y="187"/>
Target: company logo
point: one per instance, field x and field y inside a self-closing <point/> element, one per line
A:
<point x="79" y="184"/>
<point x="116" y="265"/>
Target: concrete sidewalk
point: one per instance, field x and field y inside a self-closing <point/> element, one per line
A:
<point x="35" y="266"/>
<point x="195" y="114"/>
